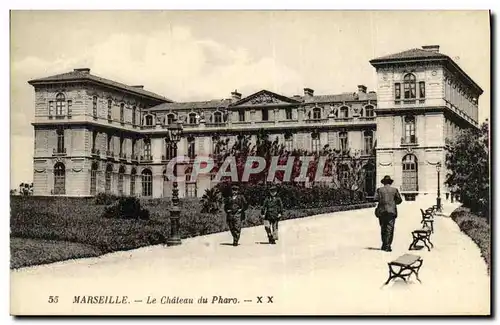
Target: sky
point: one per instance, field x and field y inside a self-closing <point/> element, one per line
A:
<point x="201" y="55"/>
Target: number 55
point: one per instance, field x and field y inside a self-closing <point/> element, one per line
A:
<point x="53" y="299"/>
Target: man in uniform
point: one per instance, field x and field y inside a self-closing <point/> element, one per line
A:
<point x="271" y="212"/>
<point x="386" y="212"/>
<point x="235" y="207"/>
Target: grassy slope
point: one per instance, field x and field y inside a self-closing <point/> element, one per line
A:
<point x="48" y="229"/>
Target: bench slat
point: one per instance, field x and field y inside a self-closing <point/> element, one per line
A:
<point x="406" y="260"/>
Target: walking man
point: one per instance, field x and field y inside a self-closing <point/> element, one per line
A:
<point x="235" y="207"/>
<point x="271" y="212"/>
<point x="386" y="212"/>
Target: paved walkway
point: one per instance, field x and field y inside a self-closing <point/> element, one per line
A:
<point x="328" y="264"/>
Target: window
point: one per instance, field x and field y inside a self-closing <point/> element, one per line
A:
<point x="148" y="119"/>
<point x="121" y="172"/>
<point x="289" y="142"/>
<point x="288" y="113"/>
<point x="421" y="87"/>
<point x="59" y="179"/>
<point x="192" y="118"/>
<point x="132" y="181"/>
<point x="344" y="112"/>
<point x="110" y="143"/>
<point x="409" y="86"/>
<point x="110" y="103"/>
<point x="109" y="171"/>
<point x="369" y="179"/>
<point x="216" y="145"/>
<point x="94" y="138"/>
<point x="93" y="179"/>
<point x="343" y="173"/>
<point x="409" y="129"/>
<point x="134" y="141"/>
<point x="70" y="104"/>
<point x="369" y="112"/>
<point x="265" y="114"/>
<point x="397" y="91"/>
<point x="60" y="103"/>
<point x="133" y="115"/>
<point x="94" y="106"/>
<point x="191" y="190"/>
<point x="147" y="148"/>
<point x="368" y="142"/>
<point x="410" y="175"/>
<point x="170" y="119"/>
<point x="121" y="146"/>
<point x="317" y="113"/>
<point x="343" y="141"/>
<point x="147" y="183"/>
<point x="60" y="141"/>
<point x="122" y="112"/>
<point x="191" y="148"/>
<point x="241" y="115"/>
<point x="170" y="150"/>
<point x="217" y="117"/>
<point x="315" y="142"/>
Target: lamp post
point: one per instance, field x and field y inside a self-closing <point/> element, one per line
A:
<point x="174" y="136"/>
<point x="438" y="199"/>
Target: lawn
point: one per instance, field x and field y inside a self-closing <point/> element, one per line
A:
<point x="49" y="229"/>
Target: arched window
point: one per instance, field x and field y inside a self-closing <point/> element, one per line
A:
<point x="60" y="104"/>
<point x="59" y="178"/>
<point x="344" y="112"/>
<point x="93" y="178"/>
<point x="121" y="173"/>
<point x="369" y="112"/>
<point x="410" y="173"/>
<point x="409" y="130"/>
<point x="147" y="183"/>
<point x="148" y="120"/>
<point x="170" y="119"/>
<point x="192" y="118"/>
<point x="133" y="174"/>
<point x="217" y="117"/>
<point x="368" y="142"/>
<point x="107" y="178"/>
<point x="409" y="86"/>
<point x="316" y="113"/>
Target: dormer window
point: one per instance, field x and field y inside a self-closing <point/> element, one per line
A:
<point x="217" y="117"/>
<point x="192" y="118"/>
<point x="316" y="113"/>
<point x="241" y="115"/>
<point x="288" y="113"/>
<point x="410" y="86"/>
<point x="170" y="118"/>
<point x="369" y="111"/>
<point x="94" y="106"/>
<point x="265" y="114"/>
<point x="148" y="120"/>
<point x="122" y="112"/>
<point x="344" y="112"/>
<point x="110" y="103"/>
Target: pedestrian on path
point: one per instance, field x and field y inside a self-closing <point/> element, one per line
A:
<point x="271" y="212"/>
<point x="386" y="212"/>
<point x="235" y="207"/>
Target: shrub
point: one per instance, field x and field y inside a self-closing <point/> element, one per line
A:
<point x="105" y="198"/>
<point x="126" y="208"/>
<point x="211" y="201"/>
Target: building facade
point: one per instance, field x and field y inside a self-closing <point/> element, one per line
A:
<point x="95" y="135"/>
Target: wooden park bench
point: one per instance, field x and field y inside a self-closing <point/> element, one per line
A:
<point x="427" y="220"/>
<point x="421" y="235"/>
<point x="403" y="267"/>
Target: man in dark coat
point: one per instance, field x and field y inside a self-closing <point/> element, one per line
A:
<point x="271" y="212"/>
<point x="386" y="212"/>
<point x="235" y="207"/>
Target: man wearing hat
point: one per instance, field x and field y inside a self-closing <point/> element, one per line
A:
<point x="235" y="207"/>
<point x="271" y="212"/>
<point x="386" y="212"/>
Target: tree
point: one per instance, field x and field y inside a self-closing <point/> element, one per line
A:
<point x="468" y="165"/>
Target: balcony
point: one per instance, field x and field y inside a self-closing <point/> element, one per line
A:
<point x="147" y="127"/>
<point x="122" y="156"/>
<point x="96" y="152"/>
<point x="410" y="141"/>
<point x="110" y="154"/>
<point x="146" y="159"/>
<point x="59" y="152"/>
<point x="134" y="158"/>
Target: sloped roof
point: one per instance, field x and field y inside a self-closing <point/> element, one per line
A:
<point x="214" y="103"/>
<point x="411" y="54"/>
<point x="85" y="75"/>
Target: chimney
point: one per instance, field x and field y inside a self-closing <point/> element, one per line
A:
<point x="308" y="92"/>
<point x="139" y="86"/>
<point x="235" y="95"/>
<point x="361" y="89"/>
<point x="431" y="48"/>
<point x="82" y="70"/>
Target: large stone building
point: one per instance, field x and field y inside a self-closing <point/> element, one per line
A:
<point x="96" y="135"/>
